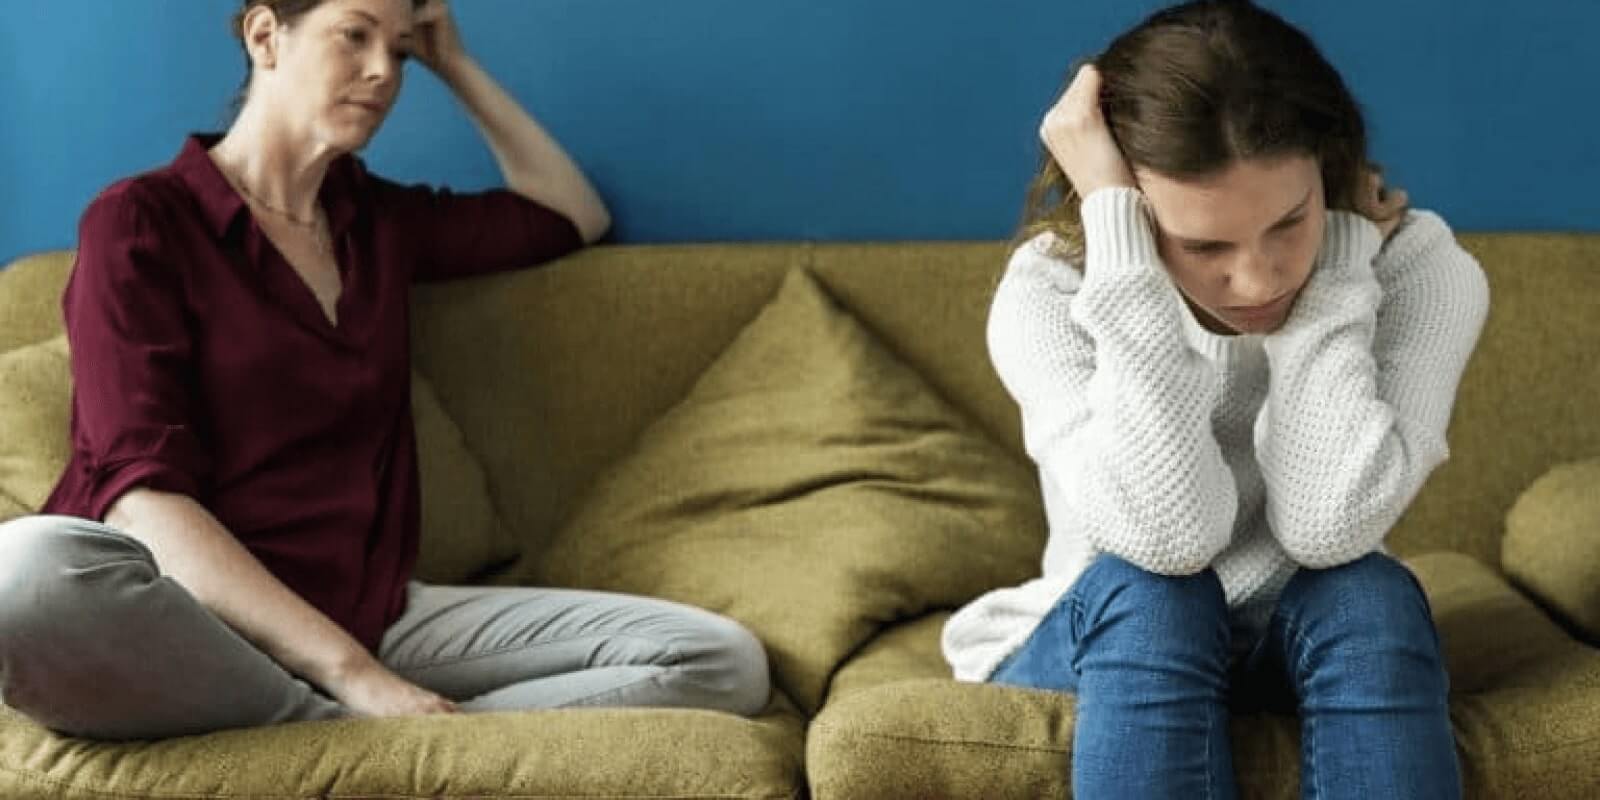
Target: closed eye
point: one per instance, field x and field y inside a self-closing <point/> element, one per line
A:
<point x="1206" y="248"/>
<point x="1286" y="224"/>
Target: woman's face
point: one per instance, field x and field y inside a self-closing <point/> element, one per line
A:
<point x="1240" y="243"/>
<point x="338" y="69"/>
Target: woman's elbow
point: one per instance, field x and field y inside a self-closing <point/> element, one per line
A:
<point x="593" y="224"/>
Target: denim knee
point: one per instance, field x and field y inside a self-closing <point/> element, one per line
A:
<point x="1175" y="605"/>
<point x="1369" y="614"/>
<point x="1370" y="593"/>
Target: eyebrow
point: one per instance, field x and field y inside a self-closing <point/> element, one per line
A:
<point x="1284" y="220"/>
<point x="373" y="21"/>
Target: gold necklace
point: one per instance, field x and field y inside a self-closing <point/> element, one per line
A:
<point x="317" y="225"/>
<point x="286" y="214"/>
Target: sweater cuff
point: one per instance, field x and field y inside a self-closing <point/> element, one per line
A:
<point x="1116" y="231"/>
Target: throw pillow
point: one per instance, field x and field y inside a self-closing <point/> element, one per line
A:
<point x="462" y="534"/>
<point x="812" y="487"/>
<point x="1552" y="543"/>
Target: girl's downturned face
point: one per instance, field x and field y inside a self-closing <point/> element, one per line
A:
<point x="1240" y="243"/>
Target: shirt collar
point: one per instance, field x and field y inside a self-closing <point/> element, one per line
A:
<point x="221" y="203"/>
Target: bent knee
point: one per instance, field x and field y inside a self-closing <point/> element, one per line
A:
<point x="1117" y="582"/>
<point x="49" y="563"/>
<point x="728" y="663"/>
<point x="1375" y="588"/>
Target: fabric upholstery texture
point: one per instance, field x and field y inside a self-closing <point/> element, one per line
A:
<point x="462" y="535"/>
<point x="30" y="298"/>
<point x="35" y="389"/>
<point x="810" y="486"/>
<point x="612" y="753"/>
<point x="1552" y="544"/>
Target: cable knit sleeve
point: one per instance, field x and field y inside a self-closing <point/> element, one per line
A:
<point x="1363" y="379"/>
<point x="1115" y="404"/>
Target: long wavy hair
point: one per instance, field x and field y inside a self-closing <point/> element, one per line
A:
<point x="1200" y="85"/>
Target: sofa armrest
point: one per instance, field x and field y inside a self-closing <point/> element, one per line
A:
<point x="1552" y="545"/>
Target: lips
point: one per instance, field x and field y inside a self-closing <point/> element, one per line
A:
<point x="370" y="105"/>
<point x="1267" y="309"/>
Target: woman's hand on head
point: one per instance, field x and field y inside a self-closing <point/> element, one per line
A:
<point x="436" y="41"/>
<point x="371" y="690"/>
<point x="1384" y="206"/>
<point x="1076" y="134"/>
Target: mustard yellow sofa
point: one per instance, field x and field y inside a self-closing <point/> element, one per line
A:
<point x="809" y="437"/>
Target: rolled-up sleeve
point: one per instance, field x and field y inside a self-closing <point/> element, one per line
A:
<point x="131" y="346"/>
<point x="459" y="234"/>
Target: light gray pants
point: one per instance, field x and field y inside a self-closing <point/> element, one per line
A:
<point x="95" y="642"/>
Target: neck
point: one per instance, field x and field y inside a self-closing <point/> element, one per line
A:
<point x="273" y="165"/>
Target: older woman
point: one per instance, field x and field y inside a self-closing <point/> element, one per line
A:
<point x="233" y="539"/>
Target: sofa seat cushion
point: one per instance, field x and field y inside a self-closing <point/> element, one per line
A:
<point x="811" y="486"/>
<point x="1524" y="697"/>
<point x="615" y="753"/>
<point x="462" y="535"/>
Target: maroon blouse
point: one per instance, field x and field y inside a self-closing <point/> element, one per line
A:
<point x="202" y="365"/>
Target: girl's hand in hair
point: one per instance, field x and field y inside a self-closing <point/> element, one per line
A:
<point x="1384" y="206"/>
<point x="1075" y="132"/>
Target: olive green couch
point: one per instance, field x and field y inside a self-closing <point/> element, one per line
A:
<point x="809" y="438"/>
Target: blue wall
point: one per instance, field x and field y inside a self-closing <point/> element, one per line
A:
<point x="808" y="119"/>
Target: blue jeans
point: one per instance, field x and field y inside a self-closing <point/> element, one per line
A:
<point x="1352" y="649"/>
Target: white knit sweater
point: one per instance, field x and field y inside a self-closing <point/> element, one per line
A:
<point x="1178" y="449"/>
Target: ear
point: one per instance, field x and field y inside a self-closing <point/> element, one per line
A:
<point x="260" y="29"/>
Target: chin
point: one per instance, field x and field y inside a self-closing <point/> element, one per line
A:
<point x="1257" y="327"/>
<point x="348" y="138"/>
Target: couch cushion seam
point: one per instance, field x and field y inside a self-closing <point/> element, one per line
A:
<point x="901" y="737"/>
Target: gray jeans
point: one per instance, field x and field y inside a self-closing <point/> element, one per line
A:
<point x="95" y="642"/>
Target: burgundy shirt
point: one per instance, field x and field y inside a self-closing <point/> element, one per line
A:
<point x="202" y="364"/>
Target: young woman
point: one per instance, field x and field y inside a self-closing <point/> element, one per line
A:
<point x="1235" y="354"/>
<point x="232" y="541"/>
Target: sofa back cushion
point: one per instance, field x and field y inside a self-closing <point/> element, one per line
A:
<point x="30" y="298"/>
<point x="35" y="392"/>
<point x="552" y="373"/>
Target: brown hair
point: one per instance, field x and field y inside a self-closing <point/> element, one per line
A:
<point x="287" y="11"/>
<point x="1200" y="85"/>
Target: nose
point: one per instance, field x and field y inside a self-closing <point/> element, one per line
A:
<point x="381" y="68"/>
<point x="1254" y="279"/>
